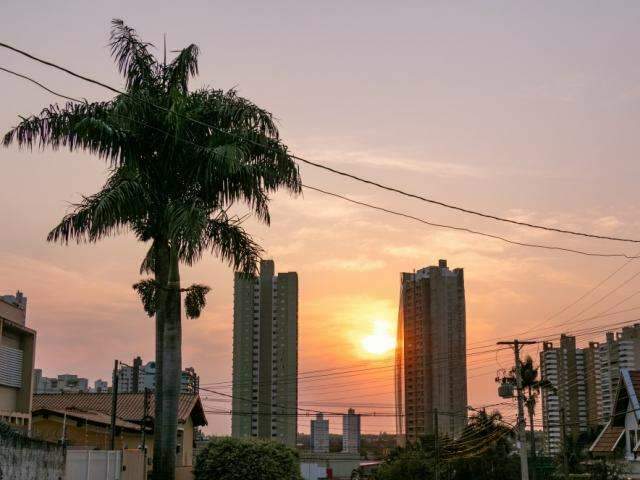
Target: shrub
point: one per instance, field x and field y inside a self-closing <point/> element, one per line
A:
<point x="233" y="459"/>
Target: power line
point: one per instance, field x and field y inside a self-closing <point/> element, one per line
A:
<point x="468" y="230"/>
<point x="382" y="209"/>
<point x="335" y="171"/>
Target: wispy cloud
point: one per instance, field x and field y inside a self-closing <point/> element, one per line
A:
<point x="394" y="161"/>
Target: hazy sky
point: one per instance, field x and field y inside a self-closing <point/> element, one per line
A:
<point x="528" y="110"/>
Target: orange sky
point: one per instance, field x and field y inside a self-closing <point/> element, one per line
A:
<point x="528" y="112"/>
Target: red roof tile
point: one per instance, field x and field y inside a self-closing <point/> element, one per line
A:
<point x="130" y="405"/>
<point x="608" y="439"/>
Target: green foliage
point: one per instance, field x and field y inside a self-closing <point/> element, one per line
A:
<point x="195" y="300"/>
<point x="409" y="463"/>
<point x="606" y="471"/>
<point x="233" y="459"/>
<point x="482" y="452"/>
<point x="148" y="292"/>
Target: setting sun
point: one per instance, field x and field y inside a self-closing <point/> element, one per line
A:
<point x="380" y="341"/>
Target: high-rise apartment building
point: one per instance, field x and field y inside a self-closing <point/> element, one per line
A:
<point x="265" y="355"/>
<point x="351" y="432"/>
<point x="574" y="388"/>
<point x="320" y="434"/>
<point x="431" y="367"/>
<point x="17" y="356"/>
<point x="619" y="350"/>
<point x="584" y="382"/>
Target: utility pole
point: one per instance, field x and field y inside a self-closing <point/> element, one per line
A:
<point x="437" y="444"/>
<point x="524" y="461"/>
<point x="144" y="429"/>
<point x="565" y="458"/>
<point x="114" y="406"/>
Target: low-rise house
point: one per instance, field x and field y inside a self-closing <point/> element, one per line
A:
<point x="84" y="420"/>
<point x="620" y="438"/>
<point x="17" y="355"/>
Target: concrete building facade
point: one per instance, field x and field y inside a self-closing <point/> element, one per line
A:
<point x="100" y="386"/>
<point x="431" y="367"/>
<point x="65" y="383"/>
<point x="17" y="357"/>
<point x="619" y="350"/>
<point x="351" y="432"/>
<point x="265" y="355"/>
<point x="320" y="434"/>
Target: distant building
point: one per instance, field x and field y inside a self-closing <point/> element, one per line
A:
<point x="351" y="432"/>
<point x="320" y="434"/>
<point x="66" y="383"/>
<point x="101" y="386"/>
<point x="575" y="384"/>
<point x="619" y="350"/>
<point x="17" y="356"/>
<point x="431" y="367"/>
<point x="137" y="377"/>
<point x="265" y="355"/>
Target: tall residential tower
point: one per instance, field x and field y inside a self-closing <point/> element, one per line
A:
<point x="431" y="367"/>
<point x="265" y="355"/>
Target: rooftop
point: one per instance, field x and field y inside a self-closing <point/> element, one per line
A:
<point x="130" y="405"/>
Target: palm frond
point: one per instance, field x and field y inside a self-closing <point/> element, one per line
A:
<point x="135" y="62"/>
<point x="120" y="202"/>
<point x="148" y="265"/>
<point x="227" y="239"/>
<point x="148" y="292"/>
<point x="182" y="68"/>
<point x="76" y="126"/>
<point x="195" y="300"/>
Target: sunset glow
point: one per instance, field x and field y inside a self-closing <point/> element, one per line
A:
<point x="381" y="341"/>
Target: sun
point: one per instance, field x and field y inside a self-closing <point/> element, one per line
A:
<point x="381" y="341"/>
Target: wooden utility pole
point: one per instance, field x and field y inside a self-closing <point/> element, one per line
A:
<point x="522" y="438"/>
<point x="114" y="406"/>
<point x="436" y="436"/>
<point x="144" y="429"/>
<point x="565" y="457"/>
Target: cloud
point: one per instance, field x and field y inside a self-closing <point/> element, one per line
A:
<point x="607" y="223"/>
<point x="394" y="161"/>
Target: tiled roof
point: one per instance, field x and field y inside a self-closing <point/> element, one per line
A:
<point x="608" y="439"/>
<point x="130" y="405"/>
<point x="635" y="380"/>
<point x="91" y="417"/>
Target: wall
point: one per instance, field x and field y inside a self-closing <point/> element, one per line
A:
<point x="23" y="458"/>
<point x="85" y="435"/>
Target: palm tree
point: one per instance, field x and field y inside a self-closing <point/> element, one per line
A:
<point x="530" y="382"/>
<point x="178" y="161"/>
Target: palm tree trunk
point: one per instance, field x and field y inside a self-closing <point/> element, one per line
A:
<point x="161" y="270"/>
<point x="171" y="369"/>
<point x="531" y="407"/>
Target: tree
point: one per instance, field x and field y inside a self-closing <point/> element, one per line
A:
<point x="531" y="384"/>
<point x="233" y="459"/>
<point x="605" y="471"/>
<point x="415" y="461"/>
<point x="178" y="161"/>
<point x="483" y="451"/>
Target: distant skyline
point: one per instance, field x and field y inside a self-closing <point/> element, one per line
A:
<point x="529" y="111"/>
